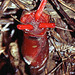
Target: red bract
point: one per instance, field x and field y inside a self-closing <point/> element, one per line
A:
<point x="22" y="27"/>
<point x="40" y="9"/>
<point x="47" y="25"/>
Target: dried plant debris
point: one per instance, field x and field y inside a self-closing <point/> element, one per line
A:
<point x="61" y="41"/>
